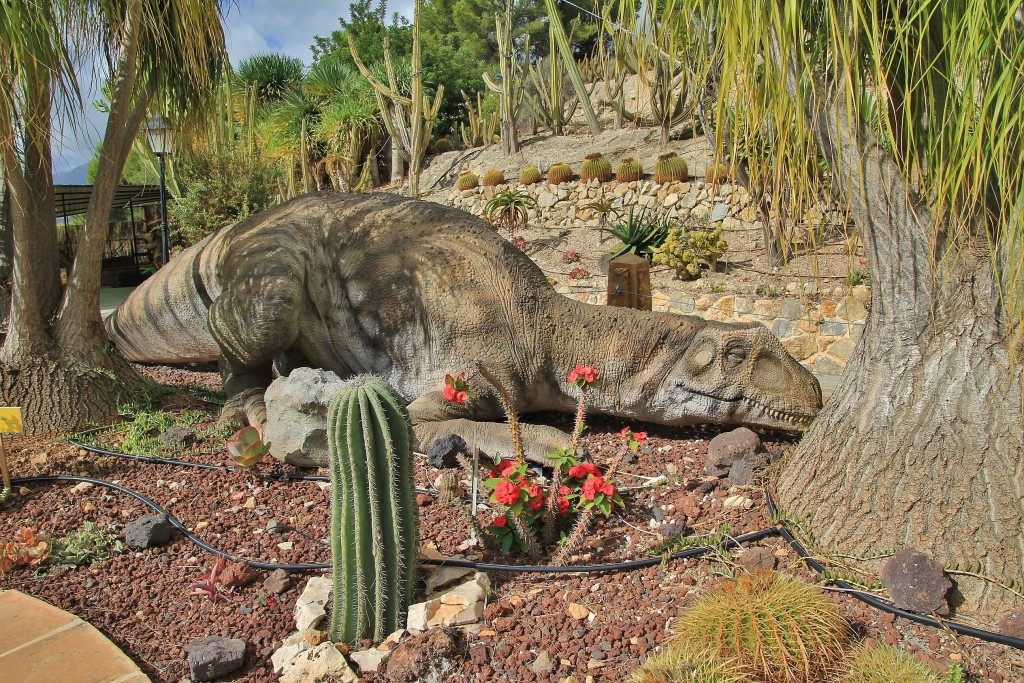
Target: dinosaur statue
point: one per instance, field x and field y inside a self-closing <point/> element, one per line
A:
<point x="411" y="291"/>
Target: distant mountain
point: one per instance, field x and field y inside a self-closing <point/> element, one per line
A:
<point x="79" y="175"/>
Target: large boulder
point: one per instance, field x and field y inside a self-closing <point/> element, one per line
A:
<point x="297" y="416"/>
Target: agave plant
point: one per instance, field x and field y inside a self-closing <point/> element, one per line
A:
<point x="247" y="448"/>
<point x="509" y="209"/>
<point x="639" y="234"/>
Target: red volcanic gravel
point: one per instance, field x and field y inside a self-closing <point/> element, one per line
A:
<point x="593" y="627"/>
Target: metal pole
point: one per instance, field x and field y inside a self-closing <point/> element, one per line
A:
<point x="163" y="213"/>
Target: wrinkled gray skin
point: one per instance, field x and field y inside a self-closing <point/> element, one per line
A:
<point x="410" y="291"/>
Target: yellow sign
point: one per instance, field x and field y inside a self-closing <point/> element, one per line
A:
<point x="10" y="420"/>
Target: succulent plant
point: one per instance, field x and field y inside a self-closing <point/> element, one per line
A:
<point x="494" y="177"/>
<point x="442" y="145"/>
<point x="530" y="175"/>
<point x="29" y="549"/>
<point x="672" y="666"/>
<point x="777" y="628"/>
<point x="670" y="167"/>
<point x="641" y="233"/>
<point x="467" y="181"/>
<point x="373" y="510"/>
<point x="690" y="252"/>
<point x="596" y="166"/>
<point x="559" y="173"/>
<point x="629" y="170"/>
<point x="716" y="173"/>
<point x="886" y="664"/>
<point x="509" y="209"/>
<point x="247" y="448"/>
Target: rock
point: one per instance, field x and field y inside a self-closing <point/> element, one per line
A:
<point x="656" y="514"/>
<point x="727" y="448"/>
<point x="578" y="612"/>
<point x="543" y="664"/>
<point x="297" y="642"/>
<point x="428" y="656"/>
<point x="148" y="532"/>
<point x="276" y="527"/>
<point x="742" y="471"/>
<point x="278" y="582"/>
<point x="297" y="416"/>
<point x="369" y="660"/>
<point x="1012" y="625"/>
<point x="310" y="607"/>
<point x="211" y="657"/>
<point x="238" y="574"/>
<point x="445" y="576"/>
<point x="321" y="664"/>
<point x="753" y="559"/>
<point x="442" y="455"/>
<point x="673" y="529"/>
<point x="82" y="487"/>
<point x="179" y="437"/>
<point x="916" y="582"/>
<point x="737" y="502"/>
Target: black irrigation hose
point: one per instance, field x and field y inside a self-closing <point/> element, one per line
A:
<point x="869" y="599"/>
<point x="481" y="566"/>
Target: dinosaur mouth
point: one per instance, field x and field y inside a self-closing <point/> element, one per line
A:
<point x="795" y="419"/>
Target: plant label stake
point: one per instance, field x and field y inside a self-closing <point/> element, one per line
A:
<point x="10" y="423"/>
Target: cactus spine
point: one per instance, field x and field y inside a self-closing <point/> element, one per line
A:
<point x="373" y="516"/>
<point x="596" y="166"/>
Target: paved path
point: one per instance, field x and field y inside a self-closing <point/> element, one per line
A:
<point x="40" y="643"/>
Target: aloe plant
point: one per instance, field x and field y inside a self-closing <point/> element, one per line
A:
<point x="373" y="510"/>
<point x="639" y="234"/>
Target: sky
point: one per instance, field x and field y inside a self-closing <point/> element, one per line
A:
<point x="252" y="26"/>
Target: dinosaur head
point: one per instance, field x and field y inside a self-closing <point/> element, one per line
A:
<point x="738" y="374"/>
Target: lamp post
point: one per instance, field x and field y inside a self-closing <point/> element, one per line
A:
<point x="161" y="138"/>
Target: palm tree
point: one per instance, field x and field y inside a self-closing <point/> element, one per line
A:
<point x="921" y="443"/>
<point x="54" y="361"/>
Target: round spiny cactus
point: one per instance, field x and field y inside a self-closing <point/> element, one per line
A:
<point x="629" y="170"/>
<point x="530" y="175"/>
<point x="467" y="181"/>
<point x="442" y="145"/>
<point x="673" y="666"/>
<point x="494" y="177"/>
<point x="670" y="167"/>
<point x="559" y="173"/>
<point x="886" y="664"/>
<point x="717" y="173"/>
<point x="778" y="629"/>
<point x="596" y="166"/>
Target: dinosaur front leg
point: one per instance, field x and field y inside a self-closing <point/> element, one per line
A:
<point x="433" y="418"/>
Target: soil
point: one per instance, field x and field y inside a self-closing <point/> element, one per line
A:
<point x="145" y="600"/>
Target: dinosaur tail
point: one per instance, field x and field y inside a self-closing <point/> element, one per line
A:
<point x="164" y="319"/>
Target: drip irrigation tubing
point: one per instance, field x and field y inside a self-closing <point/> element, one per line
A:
<point x="869" y="599"/>
<point x="469" y="564"/>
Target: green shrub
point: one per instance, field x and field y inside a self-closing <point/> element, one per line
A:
<point x="596" y="167"/>
<point x="629" y="170"/>
<point x="670" y="167"/>
<point x="639" y="234"/>
<point x="530" y="175"/>
<point x="559" y="173"/>
<point x="494" y="177"/>
<point x="690" y="252"/>
<point x="886" y="664"/>
<point x="467" y="181"/>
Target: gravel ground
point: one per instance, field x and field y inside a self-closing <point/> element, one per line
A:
<point x="144" y="600"/>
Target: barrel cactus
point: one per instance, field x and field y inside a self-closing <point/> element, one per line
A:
<point x="530" y="175"/>
<point x="373" y="511"/>
<point x="596" y="166"/>
<point x="629" y="170"/>
<point x="717" y="173"/>
<point x="467" y="181"/>
<point x="670" y="167"/>
<point x="559" y="173"/>
<point x="442" y="145"/>
<point x="494" y="177"/>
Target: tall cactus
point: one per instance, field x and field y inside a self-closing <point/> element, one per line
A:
<point x="510" y="90"/>
<point x="571" y="68"/>
<point x="373" y="513"/>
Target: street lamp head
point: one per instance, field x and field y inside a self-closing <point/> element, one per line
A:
<point x="159" y="134"/>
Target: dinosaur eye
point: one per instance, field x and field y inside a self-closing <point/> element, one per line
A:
<point x="735" y="356"/>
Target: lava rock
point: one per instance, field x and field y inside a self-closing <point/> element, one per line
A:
<point x="420" y="656"/>
<point x="673" y="529"/>
<point x="445" y="451"/>
<point x="238" y="574"/>
<point x="656" y="514"/>
<point x="1012" y="625"/>
<point x="916" y="582"/>
<point x="211" y="657"/>
<point x="543" y="665"/>
<point x="278" y="582"/>
<point x="725" y="449"/>
<point x="742" y="471"/>
<point x="148" y="532"/>
<point x="179" y="437"/>
<point x="297" y="416"/>
<point x="753" y="559"/>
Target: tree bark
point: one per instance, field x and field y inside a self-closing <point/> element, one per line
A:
<point x="920" y="445"/>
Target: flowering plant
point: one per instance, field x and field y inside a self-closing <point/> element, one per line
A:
<point x="455" y="388"/>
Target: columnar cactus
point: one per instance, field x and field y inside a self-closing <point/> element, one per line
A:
<point x="596" y="166"/>
<point x="559" y="173"/>
<point x="530" y="175"/>
<point x="629" y="170"/>
<point x="669" y="168"/>
<point x="373" y="511"/>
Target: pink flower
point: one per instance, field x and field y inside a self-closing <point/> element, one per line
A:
<point x="588" y="373"/>
<point x="455" y="388"/>
<point x="640" y="437"/>
<point x="502" y="468"/>
<point x="506" y="492"/>
<point x="500" y="521"/>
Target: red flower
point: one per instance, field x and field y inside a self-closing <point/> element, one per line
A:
<point x="593" y="486"/>
<point x="625" y="433"/>
<point x="583" y="469"/>
<point x="502" y="468"/>
<point x="588" y="373"/>
<point x="564" y="490"/>
<point x="640" y="437"/>
<point x="535" y="491"/>
<point x="537" y="503"/>
<point x="506" y="492"/>
<point x="500" y="521"/>
<point x="563" y="505"/>
<point x="454" y="395"/>
<point x="608" y="489"/>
